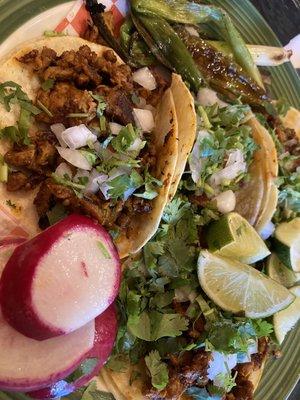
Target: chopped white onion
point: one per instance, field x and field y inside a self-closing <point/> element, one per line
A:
<point x="137" y="145"/>
<point x="267" y="230"/>
<point x="78" y="136"/>
<point x="208" y="97"/>
<point x="143" y="119"/>
<point x="58" y="129"/>
<point x="63" y="169"/>
<point x="81" y="173"/>
<point x="226" y="201"/>
<point x="115" y="128"/>
<point x="246" y="357"/>
<point x="196" y="163"/>
<point x="145" y="78"/>
<point x="192" y="31"/>
<point x="235" y="165"/>
<point x="95" y="180"/>
<point x="75" y="158"/>
<point x="218" y="365"/>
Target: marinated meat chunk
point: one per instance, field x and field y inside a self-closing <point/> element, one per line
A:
<point x="83" y="67"/>
<point x="39" y="60"/>
<point x="16" y="181"/>
<point x="244" y="390"/>
<point x="21" y="181"/>
<point x="50" y="193"/>
<point x="38" y="157"/>
<point x="21" y="157"/>
<point x="62" y="100"/>
<point x="183" y="375"/>
<point x="119" y="106"/>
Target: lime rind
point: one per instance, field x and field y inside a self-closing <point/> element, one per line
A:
<point x="232" y="236"/>
<point x="280" y="273"/>
<point x="240" y="288"/>
<point x="284" y="321"/>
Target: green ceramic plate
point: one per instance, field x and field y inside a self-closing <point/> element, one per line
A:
<point x="280" y="376"/>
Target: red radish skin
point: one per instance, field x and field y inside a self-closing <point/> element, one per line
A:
<point x="27" y="364"/>
<point x="106" y="330"/>
<point x="60" y="280"/>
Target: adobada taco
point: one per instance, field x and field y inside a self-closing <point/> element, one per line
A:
<point x="80" y="134"/>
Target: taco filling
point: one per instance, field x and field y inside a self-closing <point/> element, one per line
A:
<point x="89" y="147"/>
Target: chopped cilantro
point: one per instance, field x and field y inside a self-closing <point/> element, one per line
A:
<point x="151" y="185"/>
<point x="44" y="108"/>
<point x="93" y="393"/>
<point x="47" y="85"/>
<point x="12" y="93"/>
<point x="57" y="213"/>
<point x="78" y="187"/>
<point x="104" y="250"/>
<point x="90" y="155"/>
<point x="125" y="138"/>
<point x="158" y="370"/>
<point x="101" y="106"/>
<point x="262" y="328"/>
<point x="124" y="185"/>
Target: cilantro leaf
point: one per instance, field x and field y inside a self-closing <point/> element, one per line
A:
<point x="151" y="185"/>
<point x="125" y="138"/>
<point x="155" y="325"/>
<point x="57" y="213"/>
<point x="124" y="185"/>
<point x="101" y="104"/>
<point x="158" y="370"/>
<point x="12" y="93"/>
<point x="92" y="393"/>
<point x="262" y="328"/>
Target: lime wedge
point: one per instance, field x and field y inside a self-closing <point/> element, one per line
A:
<point x="280" y="273"/>
<point x="232" y="236"/>
<point x="287" y="319"/>
<point x="287" y="243"/>
<point x="240" y="288"/>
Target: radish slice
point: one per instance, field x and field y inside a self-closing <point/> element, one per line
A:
<point x="61" y="279"/>
<point x="27" y="364"/>
<point x="106" y="330"/>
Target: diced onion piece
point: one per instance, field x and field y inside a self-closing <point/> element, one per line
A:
<point x="63" y="169"/>
<point x="219" y="364"/>
<point x="145" y="78"/>
<point x="195" y="161"/>
<point x="226" y="202"/>
<point x="192" y="31"/>
<point x="58" y="129"/>
<point x="137" y="145"/>
<point x="235" y="165"/>
<point x="208" y="97"/>
<point x="115" y="128"/>
<point x="78" y="136"/>
<point x="75" y="158"/>
<point x="267" y="230"/>
<point x="143" y="119"/>
<point x="95" y="180"/>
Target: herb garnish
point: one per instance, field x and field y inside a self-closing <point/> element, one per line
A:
<point x="10" y="94"/>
